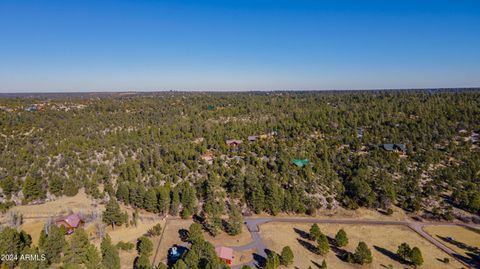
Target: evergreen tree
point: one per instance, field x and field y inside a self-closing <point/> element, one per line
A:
<point x="144" y="246"/>
<point x="286" y="257"/>
<point x="76" y="250"/>
<point x="123" y="193"/>
<point x="180" y="265"/>
<point x="404" y="251"/>
<point x="416" y="257"/>
<point x="362" y="254"/>
<point x="33" y="188"/>
<point x="92" y="258"/>
<point x="341" y="238"/>
<point x="195" y="233"/>
<point x="323" y="246"/>
<point x="150" y="203"/>
<point x="234" y="220"/>
<point x="110" y="257"/>
<point x="324" y="265"/>
<point x="175" y="203"/>
<point x="53" y="244"/>
<point x="142" y="262"/>
<point x="273" y="260"/>
<point x="112" y="214"/>
<point x="314" y="233"/>
<point x="163" y="201"/>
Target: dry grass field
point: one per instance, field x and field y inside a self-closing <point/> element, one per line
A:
<point x="78" y="203"/>
<point x="382" y="240"/>
<point x="34" y="228"/>
<point x="462" y="240"/>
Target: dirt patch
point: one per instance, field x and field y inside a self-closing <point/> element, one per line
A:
<point x="33" y="228"/>
<point x="382" y="240"/>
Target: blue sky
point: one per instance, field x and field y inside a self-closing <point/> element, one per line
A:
<point x="238" y="45"/>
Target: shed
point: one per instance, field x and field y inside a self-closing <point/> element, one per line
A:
<point x="225" y="253"/>
<point x="252" y="138"/>
<point x="233" y="142"/>
<point x="395" y="147"/>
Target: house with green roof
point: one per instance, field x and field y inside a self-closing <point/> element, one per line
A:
<point x="300" y="163"/>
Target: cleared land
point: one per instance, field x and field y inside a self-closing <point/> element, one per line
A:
<point x="171" y="237"/>
<point x="382" y="240"/>
<point x="462" y="240"/>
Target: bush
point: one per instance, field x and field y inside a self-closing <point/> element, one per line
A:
<point x="155" y="230"/>
<point x="125" y="245"/>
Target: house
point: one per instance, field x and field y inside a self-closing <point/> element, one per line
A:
<point x="225" y="254"/>
<point x="395" y="147"/>
<point x="31" y="108"/>
<point x="233" y="142"/>
<point x="300" y="163"/>
<point x="252" y="138"/>
<point x="211" y="107"/>
<point x="70" y="222"/>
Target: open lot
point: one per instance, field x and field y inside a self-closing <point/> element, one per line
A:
<point x="462" y="240"/>
<point x="382" y="240"/>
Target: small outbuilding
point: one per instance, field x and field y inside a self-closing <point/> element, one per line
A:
<point x="395" y="147"/>
<point x="225" y="253"/>
<point x="300" y="163"/>
<point x="233" y="142"/>
<point x="252" y="138"/>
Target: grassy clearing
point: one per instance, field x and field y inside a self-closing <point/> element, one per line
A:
<point x="382" y="240"/>
<point x="462" y="240"/>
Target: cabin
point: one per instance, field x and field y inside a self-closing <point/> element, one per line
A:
<point x="300" y="163"/>
<point x="395" y="147"/>
<point x="233" y="142"/>
<point x="31" y="108"/>
<point x="70" y="222"/>
<point x="252" y="138"/>
<point x="225" y="253"/>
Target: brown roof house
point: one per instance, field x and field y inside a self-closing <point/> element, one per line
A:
<point x="70" y="222"/>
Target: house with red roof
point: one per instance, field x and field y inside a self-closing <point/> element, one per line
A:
<point x="70" y="222"/>
<point x="225" y="254"/>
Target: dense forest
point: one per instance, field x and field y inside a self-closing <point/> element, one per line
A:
<point x="167" y="152"/>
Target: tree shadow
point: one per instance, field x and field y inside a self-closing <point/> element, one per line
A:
<point x="259" y="260"/>
<point x="340" y="253"/>
<point x="307" y="245"/>
<point x="392" y="255"/>
<point x="473" y="253"/>
<point x="302" y="233"/>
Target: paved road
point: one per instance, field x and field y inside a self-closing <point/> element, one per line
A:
<point x="253" y="225"/>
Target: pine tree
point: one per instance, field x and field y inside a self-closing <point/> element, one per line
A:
<point x="110" y="257"/>
<point x="323" y="246"/>
<point x="175" y="203"/>
<point x="142" y="262"/>
<point x="234" y="220"/>
<point x="54" y="243"/>
<point x="362" y="254"/>
<point x="180" y="265"/>
<point x="314" y="233"/>
<point x="324" y="265"/>
<point x="273" y="260"/>
<point x="33" y="188"/>
<point x="112" y="214"/>
<point x="404" y="251"/>
<point x="92" y="258"/>
<point x="163" y="200"/>
<point x="150" y="203"/>
<point x="286" y="256"/>
<point x="76" y="250"/>
<point x="341" y="238"/>
<point x="144" y="246"/>
<point x="195" y="233"/>
<point x="123" y="193"/>
<point x="416" y="257"/>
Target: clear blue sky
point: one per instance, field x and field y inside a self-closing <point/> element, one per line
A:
<point x="238" y="45"/>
